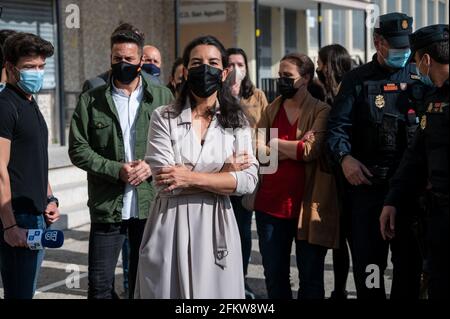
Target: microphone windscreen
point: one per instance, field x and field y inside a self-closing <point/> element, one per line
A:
<point x="52" y="238"/>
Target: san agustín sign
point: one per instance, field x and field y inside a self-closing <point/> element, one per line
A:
<point x="203" y="13"/>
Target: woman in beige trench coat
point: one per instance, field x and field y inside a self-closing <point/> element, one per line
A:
<point x="191" y="246"/>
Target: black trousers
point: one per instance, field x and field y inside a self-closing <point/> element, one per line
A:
<point x="105" y="243"/>
<point x="369" y="250"/>
<point x="244" y="222"/>
<point x="275" y="242"/>
<point x="341" y="255"/>
<point x="341" y="258"/>
<point x="438" y="249"/>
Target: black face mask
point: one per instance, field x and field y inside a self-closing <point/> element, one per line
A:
<point x="204" y="80"/>
<point x="125" y="72"/>
<point x="151" y="69"/>
<point x="321" y="76"/>
<point x="286" y="87"/>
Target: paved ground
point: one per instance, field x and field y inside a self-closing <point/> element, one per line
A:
<point x="57" y="270"/>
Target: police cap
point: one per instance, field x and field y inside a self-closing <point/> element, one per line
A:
<point x="395" y="27"/>
<point x="427" y="36"/>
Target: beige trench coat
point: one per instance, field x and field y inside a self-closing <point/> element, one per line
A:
<point x="191" y="246"/>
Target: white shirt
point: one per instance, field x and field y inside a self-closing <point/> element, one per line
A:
<point x="127" y="109"/>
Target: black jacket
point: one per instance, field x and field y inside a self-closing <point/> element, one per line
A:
<point x="426" y="160"/>
<point x="369" y="118"/>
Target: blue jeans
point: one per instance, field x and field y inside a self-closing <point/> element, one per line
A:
<point x="20" y="267"/>
<point x="244" y="222"/>
<point x="275" y="242"/>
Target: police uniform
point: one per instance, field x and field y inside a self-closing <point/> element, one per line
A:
<point x="369" y="121"/>
<point x="426" y="162"/>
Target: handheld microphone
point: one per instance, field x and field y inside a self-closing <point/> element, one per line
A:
<point x="39" y="239"/>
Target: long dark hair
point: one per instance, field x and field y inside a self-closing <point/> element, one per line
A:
<point x="175" y="65"/>
<point x="338" y="62"/>
<point x="231" y="115"/>
<point x="247" y="87"/>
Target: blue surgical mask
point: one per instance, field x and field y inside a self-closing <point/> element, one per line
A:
<point x="397" y="58"/>
<point x="31" y="80"/>
<point x="425" y="79"/>
<point x="152" y="69"/>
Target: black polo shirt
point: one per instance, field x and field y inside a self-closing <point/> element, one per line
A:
<point x="22" y="123"/>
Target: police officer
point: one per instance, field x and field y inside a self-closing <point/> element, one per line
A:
<point x="426" y="161"/>
<point x="367" y="135"/>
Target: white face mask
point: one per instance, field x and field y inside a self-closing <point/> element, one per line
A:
<point x="239" y="74"/>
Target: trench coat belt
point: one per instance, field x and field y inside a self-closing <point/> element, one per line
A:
<point x="220" y="240"/>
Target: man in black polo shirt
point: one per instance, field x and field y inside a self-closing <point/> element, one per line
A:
<point x="26" y="200"/>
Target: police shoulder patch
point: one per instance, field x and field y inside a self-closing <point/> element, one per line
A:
<point x="437" y="107"/>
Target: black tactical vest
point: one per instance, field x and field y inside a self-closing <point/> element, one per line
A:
<point x="383" y="119"/>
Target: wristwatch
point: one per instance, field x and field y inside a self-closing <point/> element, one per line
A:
<point x="52" y="199"/>
<point x="341" y="156"/>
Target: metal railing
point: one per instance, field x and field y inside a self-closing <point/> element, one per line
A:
<point x="270" y="87"/>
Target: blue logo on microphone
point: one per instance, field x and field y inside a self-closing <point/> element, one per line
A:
<point x="51" y="235"/>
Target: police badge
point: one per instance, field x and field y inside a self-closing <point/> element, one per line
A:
<point x="379" y="101"/>
<point x="423" y="122"/>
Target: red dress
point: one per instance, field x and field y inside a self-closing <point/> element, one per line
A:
<point x="280" y="194"/>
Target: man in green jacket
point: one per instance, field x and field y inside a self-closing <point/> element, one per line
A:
<point x="108" y="139"/>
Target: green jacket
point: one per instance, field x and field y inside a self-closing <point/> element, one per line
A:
<point x="96" y="146"/>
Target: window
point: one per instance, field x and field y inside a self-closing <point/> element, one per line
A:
<point x="265" y="24"/>
<point x="406" y="7"/>
<point x="418" y="17"/>
<point x="371" y="46"/>
<point x="442" y="12"/>
<point x="290" y="30"/>
<point x="339" y="25"/>
<point x="391" y="6"/>
<point x="311" y="17"/>
<point x="33" y="17"/>
<point x="430" y="12"/>
<point x="358" y="26"/>
<point x="265" y="53"/>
